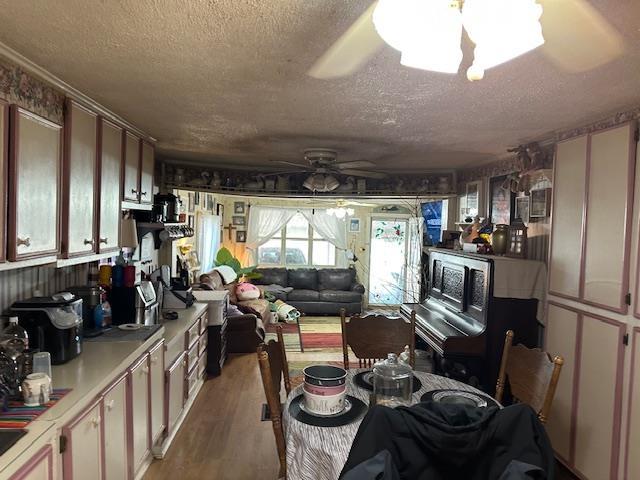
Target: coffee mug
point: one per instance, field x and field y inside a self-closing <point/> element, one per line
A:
<point x="35" y="389"/>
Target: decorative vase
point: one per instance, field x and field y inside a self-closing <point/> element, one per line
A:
<point x="499" y="239"/>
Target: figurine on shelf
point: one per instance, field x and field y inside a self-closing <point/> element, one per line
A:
<point x="348" y="186"/>
<point x="282" y="183"/>
<point x="269" y="184"/>
<point x="216" y="181"/>
<point x="255" y="186"/>
<point x="443" y="185"/>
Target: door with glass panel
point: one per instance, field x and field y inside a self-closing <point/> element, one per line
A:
<point x="387" y="260"/>
<point x="297" y="245"/>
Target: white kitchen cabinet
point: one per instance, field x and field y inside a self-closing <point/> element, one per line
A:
<point x="146" y="173"/>
<point x="110" y="168"/>
<point x="175" y="391"/>
<point x="139" y="407"/>
<point x="115" y="425"/>
<point x="83" y="452"/>
<point x="79" y="181"/>
<point x="34" y="177"/>
<point x="157" y="389"/>
<point x="39" y="467"/>
<point x="632" y="459"/>
<point x="131" y="165"/>
<point x="4" y="151"/>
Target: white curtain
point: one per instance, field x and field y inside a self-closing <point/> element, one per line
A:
<point x="413" y="270"/>
<point x="208" y="241"/>
<point x="330" y="227"/>
<point x="264" y="223"/>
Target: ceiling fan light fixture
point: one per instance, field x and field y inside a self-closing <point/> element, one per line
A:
<point x="319" y="182"/>
<point x="428" y="33"/>
<point x="501" y="29"/>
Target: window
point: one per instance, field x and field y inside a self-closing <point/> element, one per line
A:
<point x="302" y="246"/>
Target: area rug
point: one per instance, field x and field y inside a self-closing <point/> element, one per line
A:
<point x="290" y="334"/>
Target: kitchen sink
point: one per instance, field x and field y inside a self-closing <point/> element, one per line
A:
<point x="8" y="437"/>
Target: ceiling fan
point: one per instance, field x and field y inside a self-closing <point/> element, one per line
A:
<point x="323" y="166"/>
<point x="574" y="35"/>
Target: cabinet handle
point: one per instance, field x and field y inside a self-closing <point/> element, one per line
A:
<point x="23" y="241"/>
<point x="134" y="191"/>
<point x="145" y="370"/>
<point x="89" y="242"/>
<point x="104" y="240"/>
<point x="110" y="404"/>
<point x="154" y="360"/>
<point x="96" y="421"/>
<point x="144" y="194"/>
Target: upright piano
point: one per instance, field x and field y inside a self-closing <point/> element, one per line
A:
<point x="464" y="323"/>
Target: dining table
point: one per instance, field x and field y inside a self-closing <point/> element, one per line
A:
<point x="319" y="453"/>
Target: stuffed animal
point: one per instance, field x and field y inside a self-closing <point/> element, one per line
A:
<point x="247" y="291"/>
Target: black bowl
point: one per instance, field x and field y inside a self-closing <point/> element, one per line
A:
<point x="324" y="375"/>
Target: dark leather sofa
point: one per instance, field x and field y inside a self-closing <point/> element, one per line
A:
<point x="322" y="291"/>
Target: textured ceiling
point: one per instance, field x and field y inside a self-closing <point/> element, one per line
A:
<point x="224" y="81"/>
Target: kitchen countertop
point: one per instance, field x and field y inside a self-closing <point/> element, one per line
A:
<point x="92" y="371"/>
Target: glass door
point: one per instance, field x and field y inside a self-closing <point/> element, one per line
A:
<point x="387" y="261"/>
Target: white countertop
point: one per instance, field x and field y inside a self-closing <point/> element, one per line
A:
<point x="92" y="371"/>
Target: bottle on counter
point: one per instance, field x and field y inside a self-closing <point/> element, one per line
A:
<point x="14" y="339"/>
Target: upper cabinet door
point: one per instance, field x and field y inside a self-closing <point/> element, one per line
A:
<point x="610" y="174"/>
<point x="79" y="185"/>
<point x="33" y="191"/>
<point x="4" y="149"/>
<point x="146" y="173"/>
<point x="131" y="163"/>
<point x="568" y="201"/>
<point x="110" y="183"/>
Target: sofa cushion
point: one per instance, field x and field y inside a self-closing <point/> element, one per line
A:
<point x="336" y="278"/>
<point x="340" y="296"/>
<point x="303" y="278"/>
<point x="272" y="276"/>
<point x="302" y="295"/>
<point x="212" y="281"/>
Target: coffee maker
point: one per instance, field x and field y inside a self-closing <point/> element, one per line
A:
<point x="54" y="324"/>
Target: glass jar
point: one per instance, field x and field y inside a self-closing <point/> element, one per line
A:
<point x="392" y="382"/>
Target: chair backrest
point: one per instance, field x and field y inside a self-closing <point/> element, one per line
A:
<point x="272" y="360"/>
<point x="532" y="375"/>
<point x="372" y="337"/>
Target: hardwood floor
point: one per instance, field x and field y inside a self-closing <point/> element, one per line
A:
<point x="222" y="437"/>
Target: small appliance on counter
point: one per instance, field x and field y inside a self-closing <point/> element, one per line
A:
<point x="176" y="293"/>
<point x="92" y="299"/>
<point x="136" y="304"/>
<point x="54" y="324"/>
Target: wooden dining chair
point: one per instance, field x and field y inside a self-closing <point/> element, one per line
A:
<point x="532" y="375"/>
<point x="272" y="360"/>
<point x="372" y="337"/>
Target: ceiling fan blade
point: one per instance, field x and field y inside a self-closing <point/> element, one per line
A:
<point x="284" y="162"/>
<point x="577" y="36"/>
<point x="351" y="51"/>
<point x="355" y="164"/>
<point x="363" y="173"/>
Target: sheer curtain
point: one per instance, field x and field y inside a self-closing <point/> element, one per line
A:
<point x="264" y="223"/>
<point x="330" y="227"/>
<point x="413" y="271"/>
<point x="208" y="241"/>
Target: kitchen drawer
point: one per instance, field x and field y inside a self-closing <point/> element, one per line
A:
<point x="202" y="364"/>
<point x="192" y="357"/>
<point x="204" y="322"/>
<point x="202" y="345"/>
<point x="190" y="382"/>
<point x="173" y="350"/>
<point x="192" y="334"/>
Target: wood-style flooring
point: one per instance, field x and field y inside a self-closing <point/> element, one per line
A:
<point x="222" y="437"/>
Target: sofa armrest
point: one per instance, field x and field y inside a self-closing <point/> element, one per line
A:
<point x="242" y="322"/>
<point x="357" y="287"/>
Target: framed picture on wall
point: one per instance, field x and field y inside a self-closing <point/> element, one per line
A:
<point x="354" y="225"/>
<point x="220" y="210"/>
<point x="211" y="203"/>
<point x="239" y="208"/>
<point x="540" y="203"/>
<point x="196" y="197"/>
<point x="191" y="204"/>
<point x="237" y="220"/>
<point x="522" y="208"/>
<point x="502" y="201"/>
<point x="241" y="236"/>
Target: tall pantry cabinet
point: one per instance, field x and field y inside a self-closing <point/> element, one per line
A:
<point x="593" y="310"/>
